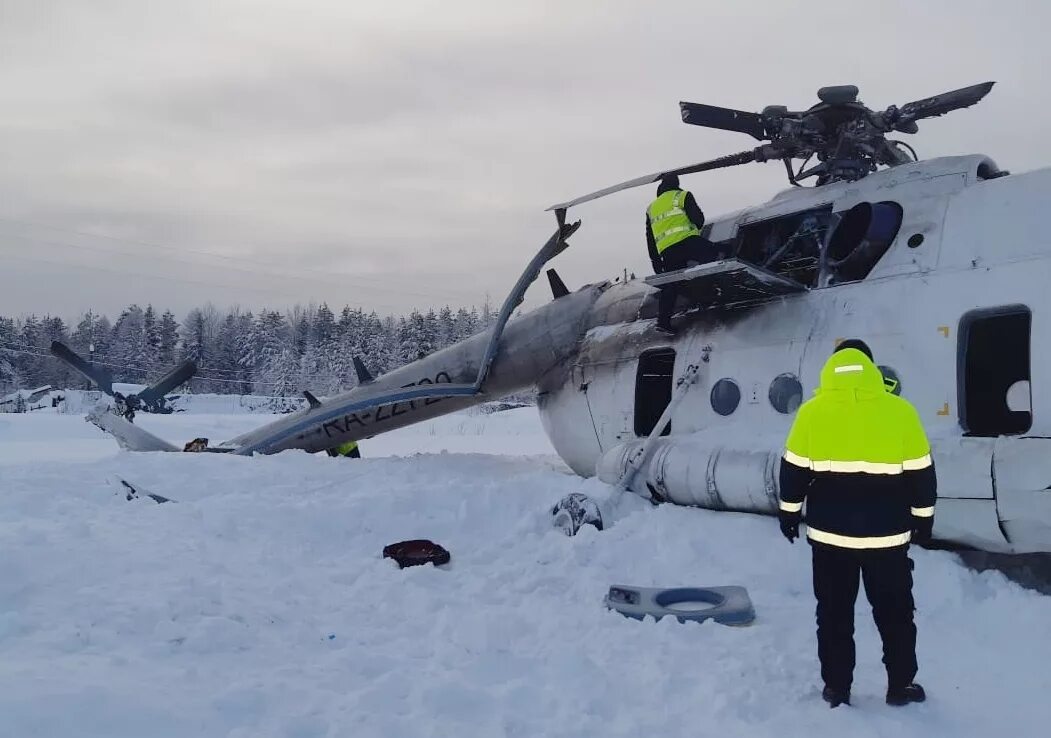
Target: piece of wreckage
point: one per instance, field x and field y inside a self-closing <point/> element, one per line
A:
<point x="941" y="265"/>
<point x="151" y="399"/>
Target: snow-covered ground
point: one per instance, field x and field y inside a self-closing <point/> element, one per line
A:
<point x="259" y="604"/>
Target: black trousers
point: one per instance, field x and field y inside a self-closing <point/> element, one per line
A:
<point x="887" y="574"/>
<point x="694" y="248"/>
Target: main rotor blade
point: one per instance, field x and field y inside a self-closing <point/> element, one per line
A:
<point x="732" y="160"/>
<point x="99" y="376"/>
<point x="725" y="119"/>
<point x="929" y="107"/>
<point x="168" y="382"/>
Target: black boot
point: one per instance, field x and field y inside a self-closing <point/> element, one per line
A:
<point x="899" y="696"/>
<point x="836" y="697"/>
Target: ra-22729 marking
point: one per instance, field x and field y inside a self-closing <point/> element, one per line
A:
<point x="343" y="425"/>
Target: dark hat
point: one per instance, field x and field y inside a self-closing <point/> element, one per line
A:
<point x="855" y="343"/>
<point x="669" y="182"/>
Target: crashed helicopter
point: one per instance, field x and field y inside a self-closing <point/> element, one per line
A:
<point x="941" y="265"/>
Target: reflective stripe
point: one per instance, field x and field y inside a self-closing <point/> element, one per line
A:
<point x="848" y="368"/>
<point x="848" y="467"/>
<point x="796" y="459"/>
<point x="669" y="214"/>
<point x="855" y="467"/>
<point x="834" y="539"/>
<point x="791" y="506"/>
<point x="678" y="229"/>
<point x="916" y="464"/>
<point x="923" y="512"/>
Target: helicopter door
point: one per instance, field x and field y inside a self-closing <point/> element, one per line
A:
<point x="994" y="375"/>
<point x="654" y="380"/>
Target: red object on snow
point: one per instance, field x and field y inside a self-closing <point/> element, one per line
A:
<point x="416" y="553"/>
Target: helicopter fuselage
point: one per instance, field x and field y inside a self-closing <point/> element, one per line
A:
<point x="957" y="310"/>
<point x="942" y="266"/>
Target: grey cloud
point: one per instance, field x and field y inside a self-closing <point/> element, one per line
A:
<point x="414" y="145"/>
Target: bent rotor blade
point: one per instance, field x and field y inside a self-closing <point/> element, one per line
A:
<point x="929" y="107"/>
<point x="744" y="157"/>
<point x="725" y="119"/>
<point x="129" y="437"/>
<point x="100" y="377"/>
<point x="168" y="382"/>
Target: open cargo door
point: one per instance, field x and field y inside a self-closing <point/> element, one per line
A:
<point x="726" y="282"/>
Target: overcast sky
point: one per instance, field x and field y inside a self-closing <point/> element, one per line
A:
<point x="401" y="154"/>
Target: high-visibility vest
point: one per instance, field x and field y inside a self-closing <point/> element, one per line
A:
<point x="346" y="449"/>
<point x="669" y="222"/>
<point x="859" y="458"/>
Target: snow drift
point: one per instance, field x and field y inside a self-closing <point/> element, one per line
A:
<point x="259" y="603"/>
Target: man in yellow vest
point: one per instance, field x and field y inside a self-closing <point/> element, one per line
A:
<point x="673" y="236"/>
<point x="858" y="457"/>
<point x="348" y="450"/>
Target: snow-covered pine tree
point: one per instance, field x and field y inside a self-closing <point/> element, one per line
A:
<point x="30" y="363"/>
<point x="193" y="337"/>
<point x="466" y="323"/>
<point x="488" y="316"/>
<point x="429" y="342"/>
<point x="10" y="378"/>
<point x="225" y="364"/>
<point x="299" y="321"/>
<point x="104" y="342"/>
<point x="352" y="342"/>
<point x="167" y="339"/>
<point x="151" y="343"/>
<point x="446" y="327"/>
<point x="318" y="363"/>
<point x="277" y="370"/>
<point x="128" y="351"/>
<point x="247" y="353"/>
<point x="381" y="351"/>
<point x="56" y="373"/>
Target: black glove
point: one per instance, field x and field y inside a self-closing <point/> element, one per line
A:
<point x="658" y="267"/>
<point x="790" y="525"/>
<point x="922" y="528"/>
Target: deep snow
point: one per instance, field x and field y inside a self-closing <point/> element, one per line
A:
<point x="259" y="605"/>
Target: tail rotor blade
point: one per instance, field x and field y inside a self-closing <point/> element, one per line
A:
<point x="930" y="107"/>
<point x="99" y="376"/>
<point x="725" y="119"/>
<point x="168" y="382"/>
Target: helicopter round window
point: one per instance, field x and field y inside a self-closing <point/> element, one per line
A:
<point x="890" y="379"/>
<point x="726" y="396"/>
<point x="786" y="393"/>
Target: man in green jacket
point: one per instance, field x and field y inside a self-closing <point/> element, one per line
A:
<point x="858" y="457"/>
<point x="673" y="237"/>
